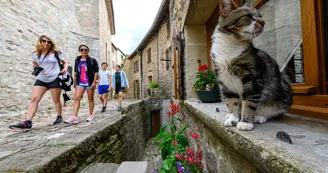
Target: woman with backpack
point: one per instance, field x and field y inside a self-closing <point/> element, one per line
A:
<point x="85" y="77"/>
<point x="119" y="83"/>
<point x="46" y="69"/>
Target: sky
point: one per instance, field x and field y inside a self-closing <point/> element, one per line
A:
<point x="133" y="19"/>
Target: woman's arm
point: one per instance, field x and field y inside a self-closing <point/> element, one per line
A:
<point x="34" y="63"/>
<point x="65" y="66"/>
<point x="96" y="70"/>
<point x="74" y="79"/>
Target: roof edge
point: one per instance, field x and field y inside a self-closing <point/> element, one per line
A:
<point x="161" y="16"/>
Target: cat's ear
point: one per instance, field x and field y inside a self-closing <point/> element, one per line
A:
<point x="226" y="7"/>
<point x="247" y="5"/>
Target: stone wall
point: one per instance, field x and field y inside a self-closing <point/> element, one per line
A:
<point x="150" y="69"/>
<point x="110" y="139"/>
<point x="105" y="34"/>
<point x="178" y="14"/>
<point x="227" y="149"/>
<point x="69" y="23"/>
<point x="282" y="30"/>
<point x="195" y="50"/>
<point x="165" y="67"/>
<point x="133" y="77"/>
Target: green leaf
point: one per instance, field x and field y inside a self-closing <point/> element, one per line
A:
<point x="185" y="127"/>
<point x="178" y="119"/>
<point x="165" y="166"/>
<point x="163" y="170"/>
<point x="164" y="152"/>
<point x="160" y="136"/>
<point x="174" y="127"/>
<point x="163" y="129"/>
<point x="183" y="140"/>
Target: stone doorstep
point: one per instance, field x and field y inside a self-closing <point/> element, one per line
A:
<point x="132" y="167"/>
<point x="307" y="153"/>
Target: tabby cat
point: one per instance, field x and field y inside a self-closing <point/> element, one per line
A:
<point x="252" y="86"/>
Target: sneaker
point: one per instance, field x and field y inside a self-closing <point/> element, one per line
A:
<point x="59" y="119"/>
<point x="71" y="120"/>
<point x="119" y="108"/>
<point x="90" y="118"/>
<point x="103" y="109"/>
<point x="22" y="125"/>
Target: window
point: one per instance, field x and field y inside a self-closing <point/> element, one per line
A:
<point x="149" y="55"/>
<point x="168" y="28"/>
<point x="113" y="64"/>
<point x="150" y="79"/>
<point x="296" y="40"/>
<point x="106" y="54"/>
<point x="113" y="49"/>
<point x="136" y="66"/>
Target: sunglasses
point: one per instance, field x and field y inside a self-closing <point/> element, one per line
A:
<point x="46" y="41"/>
<point x="84" y="50"/>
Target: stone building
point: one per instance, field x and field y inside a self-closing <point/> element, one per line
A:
<point x="151" y="61"/>
<point x="295" y="35"/>
<point x="116" y="57"/>
<point x="69" y="23"/>
<point x="180" y="37"/>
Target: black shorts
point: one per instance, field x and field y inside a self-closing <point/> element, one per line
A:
<point x="54" y="84"/>
<point x="118" y="88"/>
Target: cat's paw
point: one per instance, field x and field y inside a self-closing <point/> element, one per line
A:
<point x="245" y="126"/>
<point x="231" y="120"/>
<point x="260" y="119"/>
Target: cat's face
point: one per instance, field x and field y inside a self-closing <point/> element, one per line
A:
<point x="245" y="22"/>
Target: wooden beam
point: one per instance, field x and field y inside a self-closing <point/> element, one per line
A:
<point x="304" y="89"/>
<point x="314" y="112"/>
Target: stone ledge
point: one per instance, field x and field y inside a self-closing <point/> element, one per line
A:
<point x="111" y="137"/>
<point x="260" y="147"/>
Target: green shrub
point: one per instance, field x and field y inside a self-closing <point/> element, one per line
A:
<point x="154" y="85"/>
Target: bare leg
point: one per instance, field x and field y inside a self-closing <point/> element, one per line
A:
<point x="37" y="93"/>
<point x="91" y="93"/>
<point x="77" y="99"/>
<point x="101" y="99"/>
<point x="105" y="99"/>
<point x="120" y="94"/>
<point x="55" y="93"/>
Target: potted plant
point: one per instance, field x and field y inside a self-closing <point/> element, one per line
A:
<point x="206" y="85"/>
<point x="153" y="89"/>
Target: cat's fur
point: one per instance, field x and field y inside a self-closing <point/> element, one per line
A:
<point x="252" y="86"/>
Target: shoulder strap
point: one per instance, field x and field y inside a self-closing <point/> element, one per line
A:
<point x="57" y="57"/>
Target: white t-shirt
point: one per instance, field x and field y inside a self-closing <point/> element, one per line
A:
<point x="50" y="66"/>
<point x="104" y="75"/>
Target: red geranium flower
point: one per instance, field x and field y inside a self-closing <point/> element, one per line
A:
<point x="202" y="67"/>
<point x="194" y="135"/>
<point x="178" y="156"/>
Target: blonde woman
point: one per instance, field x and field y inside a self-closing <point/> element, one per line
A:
<point x="46" y="70"/>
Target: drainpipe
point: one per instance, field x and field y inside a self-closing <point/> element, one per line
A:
<point x="182" y="65"/>
<point x="141" y="74"/>
<point x="158" y="60"/>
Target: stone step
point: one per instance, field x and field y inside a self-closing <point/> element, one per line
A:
<point x="132" y="167"/>
<point x="101" y="168"/>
